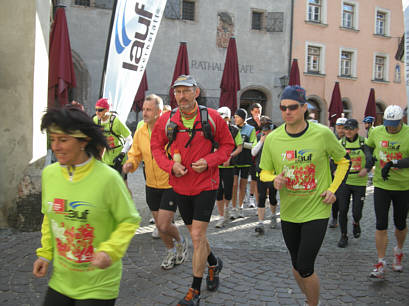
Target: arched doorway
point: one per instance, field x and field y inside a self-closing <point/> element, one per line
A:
<point x="314" y="109"/>
<point x="346" y="105"/>
<point x="252" y="96"/>
<point x="80" y="92"/>
<point x="380" y="108"/>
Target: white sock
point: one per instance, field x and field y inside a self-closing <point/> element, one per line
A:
<point x="398" y="250"/>
<point x="382" y="260"/>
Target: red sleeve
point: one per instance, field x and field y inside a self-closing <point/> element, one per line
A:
<point x="223" y="138"/>
<point x="158" y="143"/>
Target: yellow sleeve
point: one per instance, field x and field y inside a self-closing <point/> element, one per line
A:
<point x="134" y="154"/>
<point x="46" y="250"/>
<point x="342" y="169"/>
<point x="267" y="175"/>
<point x="119" y="240"/>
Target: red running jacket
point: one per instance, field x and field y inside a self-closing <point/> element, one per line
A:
<point x="192" y="183"/>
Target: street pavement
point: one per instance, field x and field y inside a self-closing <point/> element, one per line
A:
<point x="257" y="269"/>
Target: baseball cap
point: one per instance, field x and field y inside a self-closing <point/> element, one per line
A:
<point x="224" y="111"/>
<point x="341" y="121"/>
<point x="185" y="80"/>
<point x="103" y="103"/>
<point x="295" y="92"/>
<point x="351" y="124"/>
<point x="392" y="116"/>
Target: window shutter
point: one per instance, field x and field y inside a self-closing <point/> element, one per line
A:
<point x="172" y="9"/>
<point x="274" y="21"/>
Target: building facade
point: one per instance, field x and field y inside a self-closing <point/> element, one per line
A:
<point x="261" y="27"/>
<point x="354" y="43"/>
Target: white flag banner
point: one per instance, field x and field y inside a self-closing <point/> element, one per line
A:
<point x="134" y="29"/>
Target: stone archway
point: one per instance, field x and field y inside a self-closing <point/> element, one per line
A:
<point x="252" y="96"/>
<point x="80" y="92"/>
<point x="380" y="108"/>
<point x="317" y="108"/>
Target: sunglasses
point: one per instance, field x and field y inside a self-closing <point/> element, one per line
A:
<point x="291" y="107"/>
<point x="99" y="110"/>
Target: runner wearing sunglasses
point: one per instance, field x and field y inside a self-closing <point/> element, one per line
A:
<point x="296" y="157"/>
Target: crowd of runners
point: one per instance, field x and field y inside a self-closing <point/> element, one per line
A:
<point x="194" y="158"/>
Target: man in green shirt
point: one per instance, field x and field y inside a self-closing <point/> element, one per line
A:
<point x="118" y="135"/>
<point x="355" y="185"/>
<point x="296" y="158"/>
<point x="391" y="180"/>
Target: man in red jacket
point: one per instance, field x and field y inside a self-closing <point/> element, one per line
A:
<point x="195" y="150"/>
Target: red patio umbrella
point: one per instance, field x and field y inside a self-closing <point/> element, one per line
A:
<point x="230" y="83"/>
<point x="61" y="76"/>
<point x="294" y="74"/>
<point x="140" y="94"/>
<point x="370" y="109"/>
<point x="181" y="67"/>
<point x="335" y="108"/>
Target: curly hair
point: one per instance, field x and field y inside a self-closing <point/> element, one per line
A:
<point x="71" y="118"/>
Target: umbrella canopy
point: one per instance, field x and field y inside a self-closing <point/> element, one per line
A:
<point x="335" y="108"/>
<point x="370" y="109"/>
<point x="61" y="76"/>
<point x="140" y="94"/>
<point x="294" y="74"/>
<point x="230" y="83"/>
<point x="181" y="67"/>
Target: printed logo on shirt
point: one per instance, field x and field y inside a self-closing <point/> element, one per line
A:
<point x="391" y="145"/>
<point x="59" y="206"/>
<point x="297" y="156"/>
<point x="300" y="177"/>
<point x="74" y="244"/>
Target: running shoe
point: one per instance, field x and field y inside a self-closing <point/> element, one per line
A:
<point x="397" y="261"/>
<point x="181" y="251"/>
<point x="356" y="230"/>
<point x="378" y="271"/>
<point x="192" y="298"/>
<point x="169" y="260"/>
<point x="343" y="241"/>
<point x="241" y="213"/>
<point x="333" y="223"/>
<point x="234" y="213"/>
<point x="155" y="233"/>
<point x="226" y="214"/>
<point x="212" y="279"/>
<point x="273" y="222"/>
<point x="259" y="228"/>
<point x="220" y="223"/>
<point x="252" y="201"/>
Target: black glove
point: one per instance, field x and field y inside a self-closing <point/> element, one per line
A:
<point x="385" y="170"/>
<point x="118" y="160"/>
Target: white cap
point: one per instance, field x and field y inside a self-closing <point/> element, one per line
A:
<point x="225" y="112"/>
<point x="341" y="121"/>
<point x="392" y="116"/>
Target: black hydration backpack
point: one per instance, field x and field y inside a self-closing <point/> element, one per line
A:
<point x="206" y="123"/>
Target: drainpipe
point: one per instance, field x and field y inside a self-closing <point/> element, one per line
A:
<point x="291" y="37"/>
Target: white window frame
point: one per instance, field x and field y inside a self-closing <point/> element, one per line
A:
<point x="355" y="21"/>
<point x="323" y="12"/>
<point x="386" y="67"/>
<point x="354" y="59"/>
<point x="322" y="56"/>
<point x="387" y="20"/>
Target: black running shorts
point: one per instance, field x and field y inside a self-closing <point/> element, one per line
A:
<point x="160" y="199"/>
<point x="197" y="207"/>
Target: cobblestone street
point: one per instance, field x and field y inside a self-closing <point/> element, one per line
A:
<point x="256" y="271"/>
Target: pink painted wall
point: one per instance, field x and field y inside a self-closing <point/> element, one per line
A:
<point x="366" y="44"/>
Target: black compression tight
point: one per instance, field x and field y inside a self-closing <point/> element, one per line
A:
<point x="303" y="241"/>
